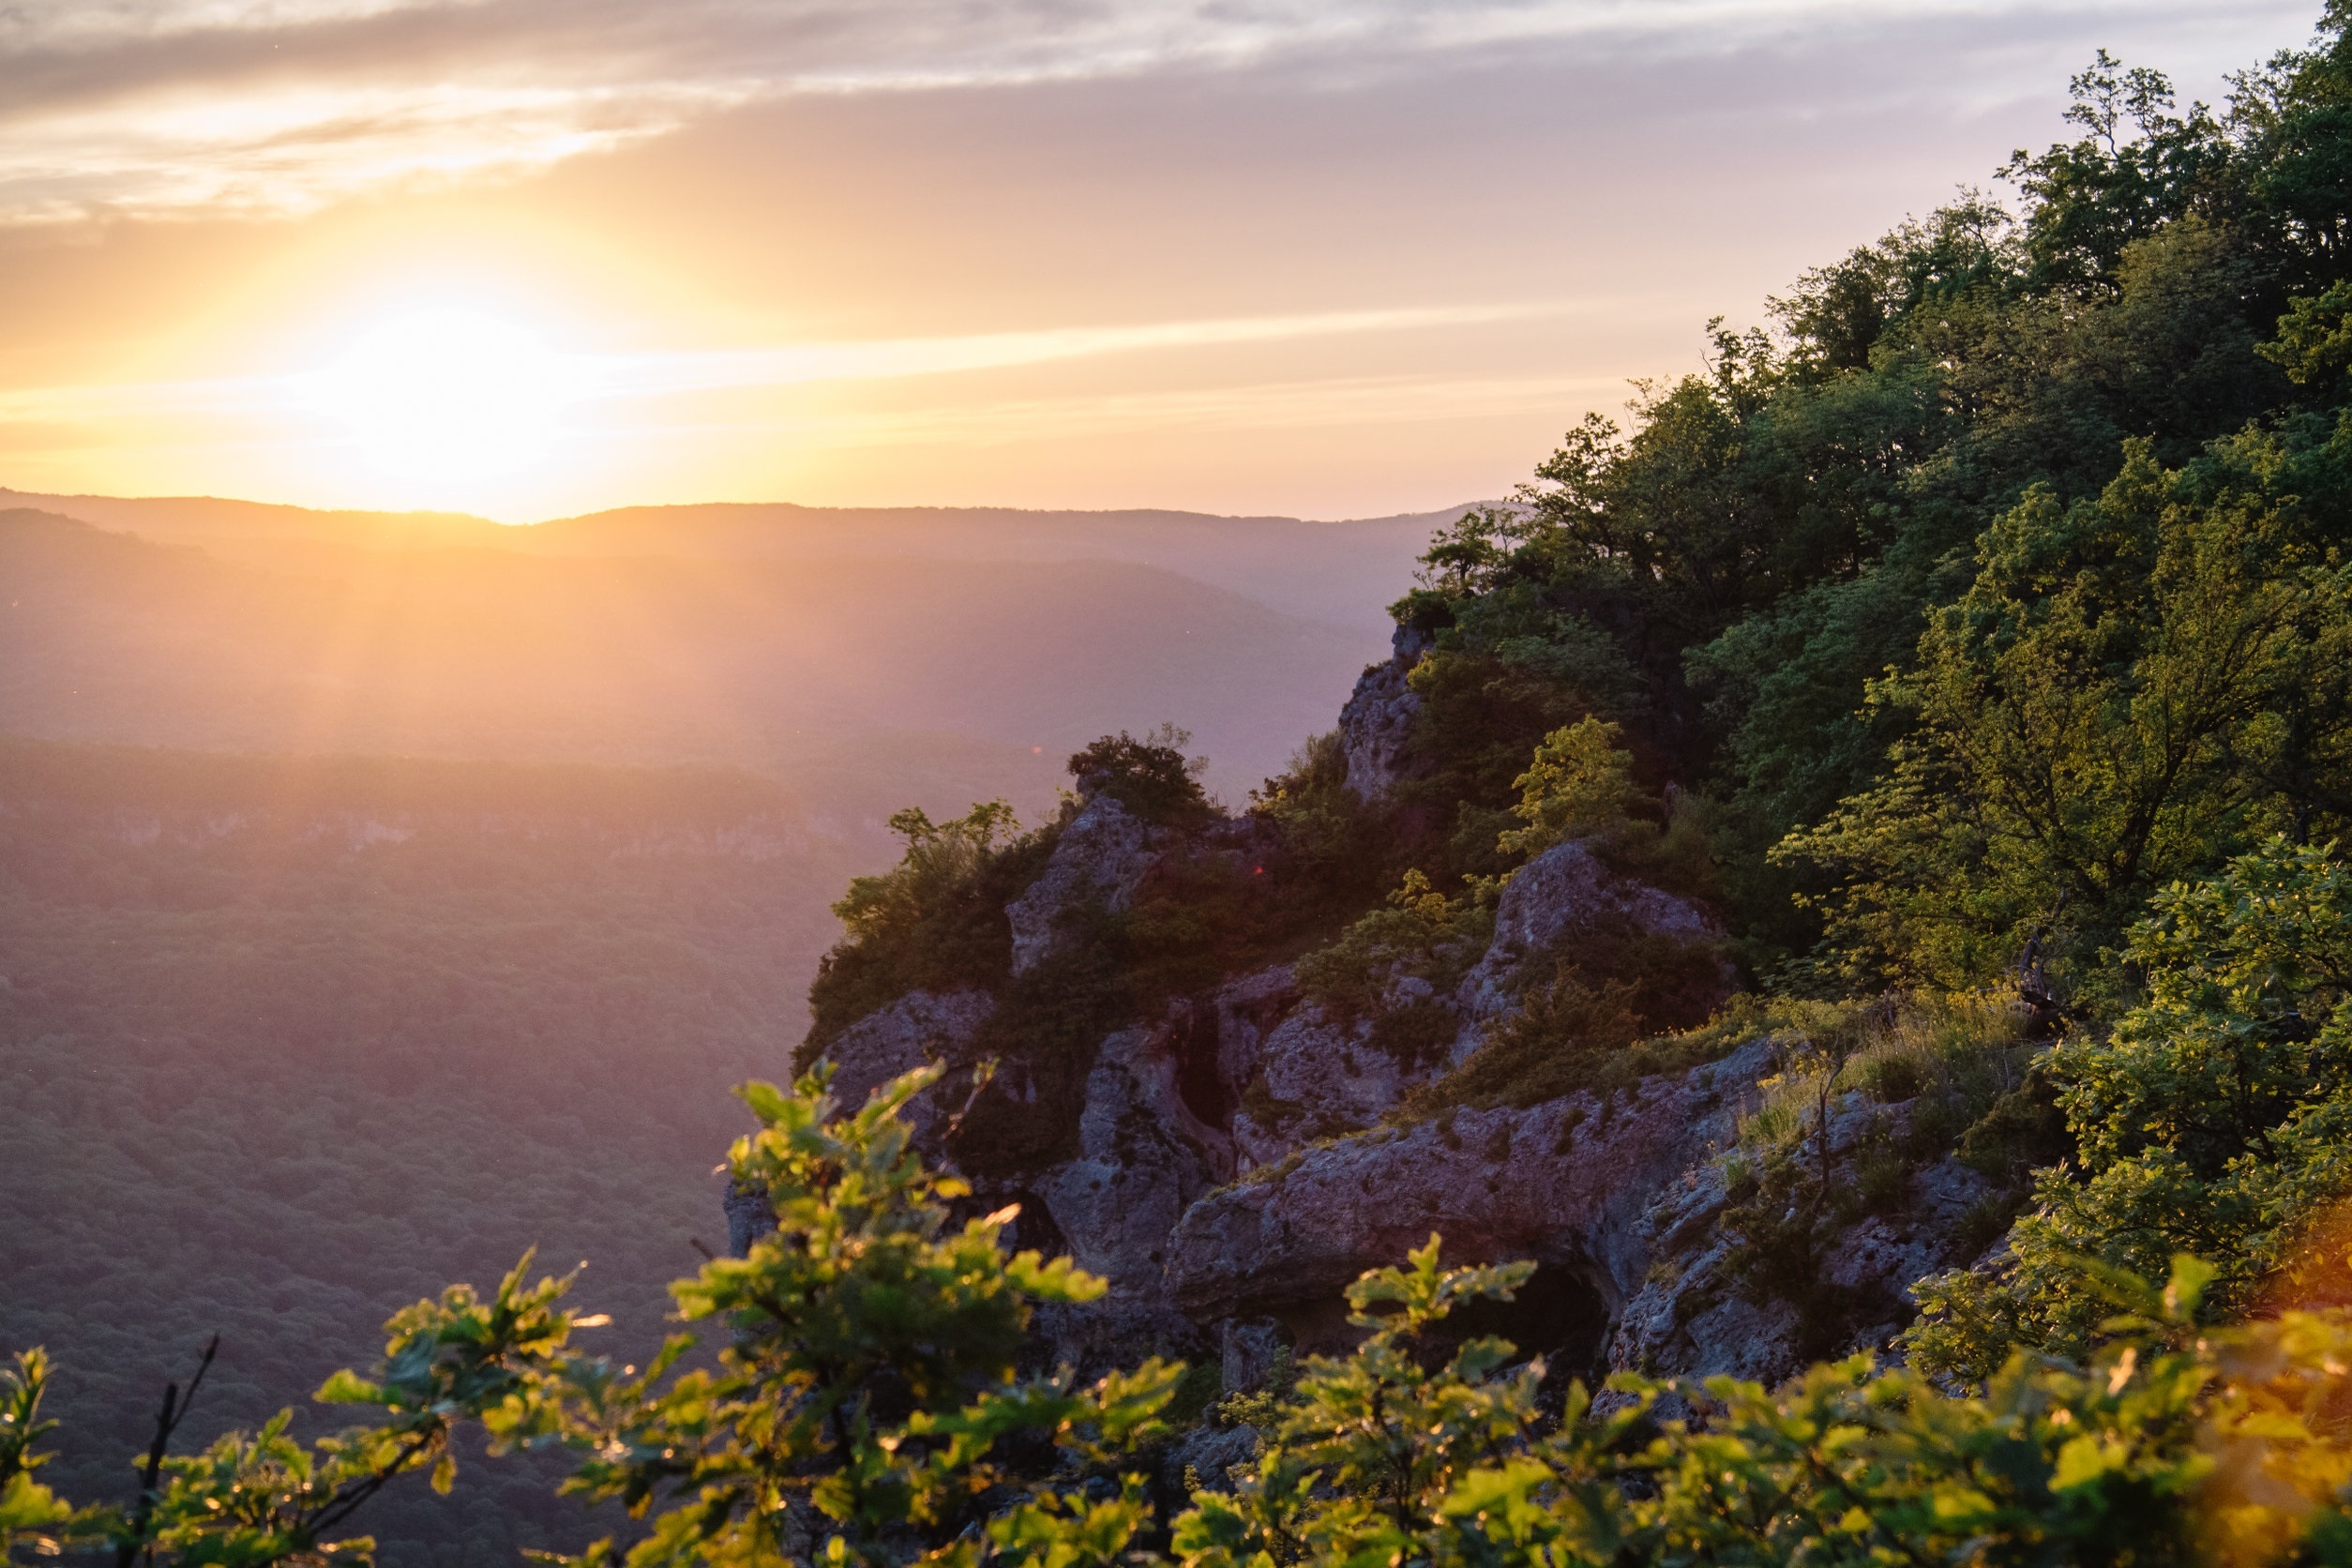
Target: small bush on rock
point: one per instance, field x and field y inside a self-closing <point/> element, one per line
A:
<point x="1150" y="776"/>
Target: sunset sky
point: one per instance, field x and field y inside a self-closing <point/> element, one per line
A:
<point x="534" y="257"/>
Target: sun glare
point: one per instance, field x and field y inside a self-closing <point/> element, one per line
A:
<point x="447" y="396"/>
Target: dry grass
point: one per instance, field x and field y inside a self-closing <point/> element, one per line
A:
<point x="1964" y="1048"/>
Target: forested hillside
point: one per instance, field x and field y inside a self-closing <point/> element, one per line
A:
<point x="284" y="1039"/>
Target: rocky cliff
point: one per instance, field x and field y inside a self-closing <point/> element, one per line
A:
<point x="1239" y="1153"/>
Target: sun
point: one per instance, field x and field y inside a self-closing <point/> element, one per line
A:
<point x="446" y="397"/>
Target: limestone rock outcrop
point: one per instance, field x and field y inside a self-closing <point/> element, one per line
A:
<point x="1566" y="889"/>
<point x="1690" y="1316"/>
<point x="1143" y="1159"/>
<point x="1376" y="725"/>
<point x="920" y="1026"/>
<point x="1314" y="1080"/>
<point x="1099" y="859"/>
<point x="1566" y="1183"/>
<point x="1239" y="1156"/>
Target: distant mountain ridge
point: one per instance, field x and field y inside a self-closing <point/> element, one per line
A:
<point x="797" y="666"/>
<point x="1339" y="572"/>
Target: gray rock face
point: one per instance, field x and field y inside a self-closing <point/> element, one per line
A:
<point x="919" y="1027"/>
<point x="1620" y="1199"/>
<point x="1099" y="859"/>
<point x="1379" y="718"/>
<point x="750" y="1216"/>
<point x="1246" y="1011"/>
<point x="1566" y="1182"/>
<point x="1319" y="1080"/>
<point x="1144" y="1158"/>
<point x="1208" y="1453"/>
<point x="1690" y="1317"/>
<point x="1142" y="1163"/>
<point x="1565" y="889"/>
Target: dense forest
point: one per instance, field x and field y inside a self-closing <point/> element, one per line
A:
<point x="1974" y="641"/>
<point x="284" y="1039"/>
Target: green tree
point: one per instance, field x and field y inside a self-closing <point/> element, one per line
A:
<point x="2126" y="694"/>
<point x="1580" y="781"/>
<point x="935" y="919"/>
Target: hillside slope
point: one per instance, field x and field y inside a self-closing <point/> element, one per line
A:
<point x="1336" y="572"/>
<point x="765" y="663"/>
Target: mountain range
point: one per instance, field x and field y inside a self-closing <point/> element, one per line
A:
<point x="963" y="652"/>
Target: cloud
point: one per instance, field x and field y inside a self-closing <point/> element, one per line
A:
<point x="162" y="108"/>
<point x="625" y="377"/>
<point x="651" y="375"/>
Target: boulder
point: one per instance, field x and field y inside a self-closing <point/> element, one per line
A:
<point x="1097" y="860"/>
<point x="1691" y="1318"/>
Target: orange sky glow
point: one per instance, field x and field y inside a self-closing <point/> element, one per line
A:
<point x="535" y="257"/>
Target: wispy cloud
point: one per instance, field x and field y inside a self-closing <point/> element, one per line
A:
<point x="649" y="375"/>
<point x="1359" y="400"/>
<point x="165" y="107"/>
<point x="592" y="378"/>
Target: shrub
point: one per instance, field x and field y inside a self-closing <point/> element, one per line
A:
<point x="1150" y="776"/>
<point x="935" y="920"/>
<point x="1422" y="935"/>
<point x="2213" y="1117"/>
<point x="865" y="1409"/>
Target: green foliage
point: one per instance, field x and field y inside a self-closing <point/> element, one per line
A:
<point x="1150" y="776"/>
<point x="1361" y="1463"/>
<point x="2034" y="475"/>
<point x="934" y="920"/>
<point x="2001" y="585"/>
<point x="2126" y="693"/>
<point x="941" y="858"/>
<point x="30" y="1516"/>
<point x="251" y="1500"/>
<point x="1899" y="1083"/>
<point x="1580" y="783"/>
<point x="1421" y="935"/>
<point x="1607" y="987"/>
<point x="865" y="1408"/>
<point x="1608" y="1014"/>
<point x="2211" y="1116"/>
<point x="2173" y="1444"/>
